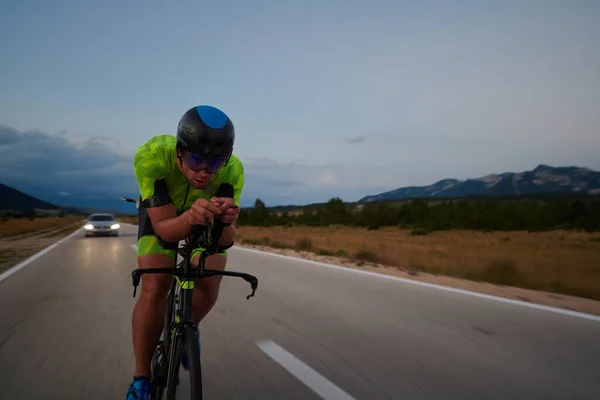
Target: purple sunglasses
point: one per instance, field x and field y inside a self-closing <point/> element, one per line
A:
<point x="198" y="163"/>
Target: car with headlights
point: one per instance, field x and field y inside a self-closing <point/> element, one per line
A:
<point x="101" y="224"/>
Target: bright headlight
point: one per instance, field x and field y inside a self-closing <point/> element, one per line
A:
<point x="89" y="226"/>
<point x="115" y="226"/>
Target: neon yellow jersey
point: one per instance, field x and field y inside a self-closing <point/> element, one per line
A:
<point x="160" y="181"/>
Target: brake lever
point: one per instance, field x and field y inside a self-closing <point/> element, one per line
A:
<point x="253" y="284"/>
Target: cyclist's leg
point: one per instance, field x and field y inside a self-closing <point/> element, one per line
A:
<point x="206" y="290"/>
<point x="149" y="309"/>
<point x="148" y="312"/>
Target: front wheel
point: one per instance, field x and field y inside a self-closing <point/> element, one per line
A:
<point x="184" y="340"/>
<point x="193" y="355"/>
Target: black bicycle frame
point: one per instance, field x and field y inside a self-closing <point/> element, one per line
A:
<point x="181" y="315"/>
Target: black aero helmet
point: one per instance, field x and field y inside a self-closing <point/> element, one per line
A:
<point x="206" y="131"/>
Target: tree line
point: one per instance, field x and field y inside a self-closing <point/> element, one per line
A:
<point x="536" y="213"/>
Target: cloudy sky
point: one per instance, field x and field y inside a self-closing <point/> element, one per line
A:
<point x="337" y="98"/>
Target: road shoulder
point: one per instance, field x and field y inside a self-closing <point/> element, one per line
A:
<point x="571" y="303"/>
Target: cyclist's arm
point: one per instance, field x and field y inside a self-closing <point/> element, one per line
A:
<point x="156" y="200"/>
<point x="229" y="232"/>
<point x="228" y="235"/>
<point x="168" y="225"/>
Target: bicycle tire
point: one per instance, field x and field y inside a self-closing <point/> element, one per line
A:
<point x="184" y="340"/>
<point x="173" y="364"/>
<point x="193" y="355"/>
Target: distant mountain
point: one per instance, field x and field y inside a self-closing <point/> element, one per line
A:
<point x="541" y="180"/>
<point x="15" y="201"/>
<point x="111" y="205"/>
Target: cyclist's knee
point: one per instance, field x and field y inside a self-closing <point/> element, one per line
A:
<point x="207" y="292"/>
<point x="155" y="286"/>
<point x="216" y="261"/>
<point x="210" y="286"/>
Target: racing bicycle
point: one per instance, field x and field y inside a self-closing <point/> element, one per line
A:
<point x="180" y="332"/>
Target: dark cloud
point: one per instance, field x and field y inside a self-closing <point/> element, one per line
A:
<point x="61" y="169"/>
<point x="8" y="135"/>
<point x="53" y="165"/>
<point x="358" y="139"/>
<point x="38" y="151"/>
<point x="85" y="171"/>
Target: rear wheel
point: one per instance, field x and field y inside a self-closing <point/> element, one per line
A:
<point x="160" y="359"/>
<point x="158" y="369"/>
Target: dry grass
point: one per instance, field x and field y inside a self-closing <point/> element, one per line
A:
<point x="21" y="238"/>
<point x="559" y="261"/>
<point x="6" y="255"/>
<point x="20" y="226"/>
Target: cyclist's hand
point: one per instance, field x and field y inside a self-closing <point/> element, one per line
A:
<point x="230" y="215"/>
<point x="229" y="211"/>
<point x="200" y="210"/>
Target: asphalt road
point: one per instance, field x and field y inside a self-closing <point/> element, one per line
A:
<point x="65" y="334"/>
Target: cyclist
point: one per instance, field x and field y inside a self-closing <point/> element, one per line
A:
<point x="178" y="177"/>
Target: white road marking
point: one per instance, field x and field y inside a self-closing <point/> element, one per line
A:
<point x="37" y="255"/>
<point x="577" y="314"/>
<point x="315" y="381"/>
